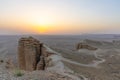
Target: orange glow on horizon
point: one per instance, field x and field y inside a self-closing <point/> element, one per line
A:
<point x="44" y="24"/>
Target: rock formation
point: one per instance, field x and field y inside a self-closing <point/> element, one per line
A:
<point x="93" y="42"/>
<point x="31" y="54"/>
<point x="41" y="64"/>
<point x="84" y="46"/>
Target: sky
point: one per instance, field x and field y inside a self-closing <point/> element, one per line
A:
<point x="60" y="17"/>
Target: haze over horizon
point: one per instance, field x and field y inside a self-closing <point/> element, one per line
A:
<point x="59" y="17"/>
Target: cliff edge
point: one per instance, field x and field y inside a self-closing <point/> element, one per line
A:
<point x="31" y="54"/>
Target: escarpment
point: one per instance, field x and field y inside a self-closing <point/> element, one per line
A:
<point x="32" y="55"/>
<point x="85" y="46"/>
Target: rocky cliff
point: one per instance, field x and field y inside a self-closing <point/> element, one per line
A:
<point x="85" y="46"/>
<point x="32" y="55"/>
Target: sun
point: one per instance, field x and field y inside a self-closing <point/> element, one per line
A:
<point x="42" y="24"/>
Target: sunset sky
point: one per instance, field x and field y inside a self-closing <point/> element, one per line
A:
<point x="59" y="16"/>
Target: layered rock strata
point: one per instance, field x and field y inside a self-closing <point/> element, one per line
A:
<point x="85" y="46"/>
<point x="31" y="54"/>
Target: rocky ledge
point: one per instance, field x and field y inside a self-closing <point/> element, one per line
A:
<point x="85" y="46"/>
<point x="32" y="55"/>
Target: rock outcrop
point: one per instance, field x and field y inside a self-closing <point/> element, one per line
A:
<point x="31" y="54"/>
<point x="41" y="64"/>
<point x="92" y="42"/>
<point x="84" y="46"/>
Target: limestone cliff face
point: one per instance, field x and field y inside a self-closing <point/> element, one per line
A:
<point x="84" y="46"/>
<point x="31" y="54"/>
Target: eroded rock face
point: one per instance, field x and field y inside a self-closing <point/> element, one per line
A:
<point x="84" y="46"/>
<point x="41" y="64"/>
<point x="31" y="54"/>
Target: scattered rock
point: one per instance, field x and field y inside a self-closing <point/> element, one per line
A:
<point x="9" y="64"/>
